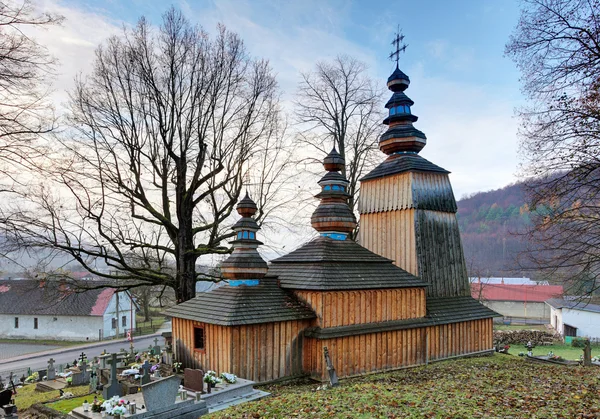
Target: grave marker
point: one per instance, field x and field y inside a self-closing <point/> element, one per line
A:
<point x="113" y="388"/>
<point x="145" y="379"/>
<point x="51" y="370"/>
<point x="94" y="378"/>
<point x="160" y="394"/>
<point x="193" y="379"/>
<point x="333" y="379"/>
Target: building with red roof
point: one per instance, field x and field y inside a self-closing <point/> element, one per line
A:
<point x="517" y="301"/>
<point x="31" y="309"/>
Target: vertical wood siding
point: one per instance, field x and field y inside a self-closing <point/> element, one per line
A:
<point x="343" y="308"/>
<point x="391" y="235"/>
<point x="258" y="352"/>
<point x="354" y="355"/>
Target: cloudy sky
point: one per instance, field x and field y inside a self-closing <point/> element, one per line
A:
<point x="465" y="90"/>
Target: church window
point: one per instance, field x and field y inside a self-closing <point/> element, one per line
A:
<point x="239" y="235"/>
<point x="199" y="338"/>
<point x="252" y="236"/>
<point x="245" y="235"/>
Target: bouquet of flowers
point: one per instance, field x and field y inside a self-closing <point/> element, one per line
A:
<point x="114" y="406"/>
<point x="229" y="378"/>
<point x="211" y="377"/>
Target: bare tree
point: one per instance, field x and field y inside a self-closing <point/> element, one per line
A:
<point x="24" y="69"/>
<point x="340" y="105"/>
<point x="163" y="131"/>
<point x="557" y="48"/>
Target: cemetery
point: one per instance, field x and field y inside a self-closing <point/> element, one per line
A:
<point x="144" y="385"/>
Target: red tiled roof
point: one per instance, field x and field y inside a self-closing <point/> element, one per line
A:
<point x="505" y="292"/>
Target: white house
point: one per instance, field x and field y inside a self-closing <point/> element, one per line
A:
<point x="30" y="309"/>
<point x="575" y="318"/>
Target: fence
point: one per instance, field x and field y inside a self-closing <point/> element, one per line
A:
<point x="142" y="328"/>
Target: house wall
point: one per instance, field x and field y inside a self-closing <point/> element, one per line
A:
<point x="126" y="309"/>
<point x="372" y="352"/>
<point x="586" y="322"/>
<point x="342" y="308"/>
<point x="258" y="352"/>
<point x="529" y="310"/>
<point x="51" y="327"/>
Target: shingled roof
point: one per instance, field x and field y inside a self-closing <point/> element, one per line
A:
<point x="440" y="311"/>
<point x="327" y="264"/>
<point x="22" y="297"/>
<point x="240" y="305"/>
<point x="403" y="163"/>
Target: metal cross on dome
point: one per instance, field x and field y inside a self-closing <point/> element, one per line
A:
<point x="398" y="39"/>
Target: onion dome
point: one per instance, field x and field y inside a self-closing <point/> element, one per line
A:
<point x="245" y="266"/>
<point x="333" y="217"/>
<point x="401" y="136"/>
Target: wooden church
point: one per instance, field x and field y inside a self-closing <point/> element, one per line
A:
<point x="400" y="298"/>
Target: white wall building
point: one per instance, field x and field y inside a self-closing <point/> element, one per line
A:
<point x="574" y="318"/>
<point x="31" y="310"/>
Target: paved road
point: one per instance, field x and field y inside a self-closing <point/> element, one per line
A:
<point x="67" y="354"/>
<point x="11" y="350"/>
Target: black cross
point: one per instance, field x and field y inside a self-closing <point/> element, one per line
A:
<point x="398" y="39"/>
<point x="82" y="357"/>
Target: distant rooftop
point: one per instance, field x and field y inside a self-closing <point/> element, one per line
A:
<point x="573" y="305"/>
<point x="508" y="281"/>
<point x="511" y="292"/>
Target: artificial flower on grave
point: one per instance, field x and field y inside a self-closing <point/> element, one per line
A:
<point x="229" y="378"/>
<point x="211" y="378"/>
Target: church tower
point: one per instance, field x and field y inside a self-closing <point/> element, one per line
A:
<point x="407" y="207"/>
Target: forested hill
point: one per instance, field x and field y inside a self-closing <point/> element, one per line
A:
<point x="489" y="223"/>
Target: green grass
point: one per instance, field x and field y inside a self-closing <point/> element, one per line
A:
<point x="497" y="386"/>
<point x="560" y="349"/>
<point x="519" y="327"/>
<point x="27" y="395"/>
<point x="44" y="342"/>
<point x="66" y="405"/>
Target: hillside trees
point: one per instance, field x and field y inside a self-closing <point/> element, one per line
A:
<point x="25" y="67"/>
<point x="163" y="132"/>
<point x="557" y="48"/>
<point x="339" y="105"/>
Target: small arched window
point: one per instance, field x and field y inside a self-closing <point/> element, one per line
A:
<point x="252" y="236"/>
<point x="392" y="111"/>
<point x="239" y="235"/>
<point x="245" y="235"/>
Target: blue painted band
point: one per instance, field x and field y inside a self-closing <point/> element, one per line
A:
<point x="335" y="236"/>
<point x="248" y="282"/>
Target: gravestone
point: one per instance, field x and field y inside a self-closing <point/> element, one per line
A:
<point x="42" y="374"/>
<point x="161" y="393"/>
<point x="82" y="377"/>
<point x="156" y="347"/>
<point x="145" y="379"/>
<point x="113" y="388"/>
<point x="333" y="379"/>
<point x="103" y="359"/>
<point x="51" y="369"/>
<point x="194" y="379"/>
<point x="94" y="378"/>
<point x="60" y="369"/>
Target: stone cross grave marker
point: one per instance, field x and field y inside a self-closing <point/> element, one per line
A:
<point x="103" y="359"/>
<point x="82" y="358"/>
<point x="93" y="378"/>
<point x="113" y="388"/>
<point x="51" y="369"/>
<point x="145" y="379"/>
<point x="82" y="377"/>
<point x="156" y="347"/>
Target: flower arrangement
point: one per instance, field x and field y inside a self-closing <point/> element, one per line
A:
<point x="96" y="406"/>
<point x="211" y="377"/>
<point x="229" y="378"/>
<point x="69" y="380"/>
<point x="114" y="406"/>
<point x="32" y="378"/>
<point x="177" y="366"/>
<point x="154" y="367"/>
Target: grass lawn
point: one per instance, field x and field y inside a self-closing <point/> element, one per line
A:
<point x="65" y="406"/>
<point x="560" y="349"/>
<point x="498" y="386"/>
<point x="27" y="395"/>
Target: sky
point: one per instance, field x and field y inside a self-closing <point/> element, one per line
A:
<point x="465" y="90"/>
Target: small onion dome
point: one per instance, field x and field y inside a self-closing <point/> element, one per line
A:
<point x="333" y="217"/>
<point x="245" y="263"/>
<point x="246" y="207"/>
<point x="334" y="162"/>
<point x="398" y="81"/>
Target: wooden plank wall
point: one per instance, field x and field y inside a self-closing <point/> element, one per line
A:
<point x="391" y="235"/>
<point x="342" y="308"/>
<point x="407" y="190"/>
<point x="355" y="355"/>
<point x="268" y="351"/>
<point x="440" y="258"/>
<point x="216" y="356"/>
